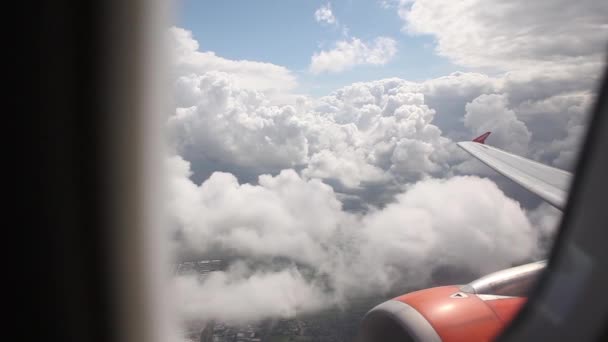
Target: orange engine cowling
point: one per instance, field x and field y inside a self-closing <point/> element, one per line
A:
<point x="439" y="314"/>
<point x="477" y="311"/>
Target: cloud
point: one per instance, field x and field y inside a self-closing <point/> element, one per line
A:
<point x="240" y="295"/>
<point x="552" y="106"/>
<point x="511" y="35"/>
<point x="370" y="136"/>
<point x="236" y="126"/>
<point x="188" y="60"/>
<point x="388" y="4"/>
<point x="491" y="113"/>
<point x="331" y="255"/>
<point x="382" y="132"/>
<point x="365" y="133"/>
<point x="546" y="219"/>
<point x="349" y="53"/>
<point x="324" y="15"/>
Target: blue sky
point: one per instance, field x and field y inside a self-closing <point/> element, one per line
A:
<point x="286" y="33"/>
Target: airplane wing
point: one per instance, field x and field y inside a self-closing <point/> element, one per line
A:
<point x="547" y="182"/>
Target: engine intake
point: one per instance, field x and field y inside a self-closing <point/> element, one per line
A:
<point x="395" y="321"/>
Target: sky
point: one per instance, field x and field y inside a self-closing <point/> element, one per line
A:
<point x="256" y="32"/>
<point x="313" y="144"/>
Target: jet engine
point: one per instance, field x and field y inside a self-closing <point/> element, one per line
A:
<point x="477" y="311"/>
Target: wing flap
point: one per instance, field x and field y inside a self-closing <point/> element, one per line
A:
<point x="549" y="183"/>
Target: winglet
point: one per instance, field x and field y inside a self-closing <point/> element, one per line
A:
<point x="482" y="138"/>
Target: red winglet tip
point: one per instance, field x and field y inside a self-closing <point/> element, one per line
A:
<point x="482" y="138"/>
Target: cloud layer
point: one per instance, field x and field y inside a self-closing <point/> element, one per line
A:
<point x="333" y="255"/>
<point x="364" y="133"/>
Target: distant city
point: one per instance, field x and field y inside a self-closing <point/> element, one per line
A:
<point x="332" y="325"/>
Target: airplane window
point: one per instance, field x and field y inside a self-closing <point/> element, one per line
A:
<point x="338" y="170"/>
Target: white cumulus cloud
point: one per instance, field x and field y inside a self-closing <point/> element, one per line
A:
<point x="349" y="53"/>
<point x="490" y="112"/>
<point x="189" y="60"/>
<point x="324" y="15"/>
<point x="239" y="295"/>
<point x="333" y="255"/>
<point x="506" y="35"/>
<point x="365" y="133"/>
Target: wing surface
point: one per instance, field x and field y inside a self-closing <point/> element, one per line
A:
<point x="549" y="183"/>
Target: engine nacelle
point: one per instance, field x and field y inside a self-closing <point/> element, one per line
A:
<point x="474" y="312"/>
